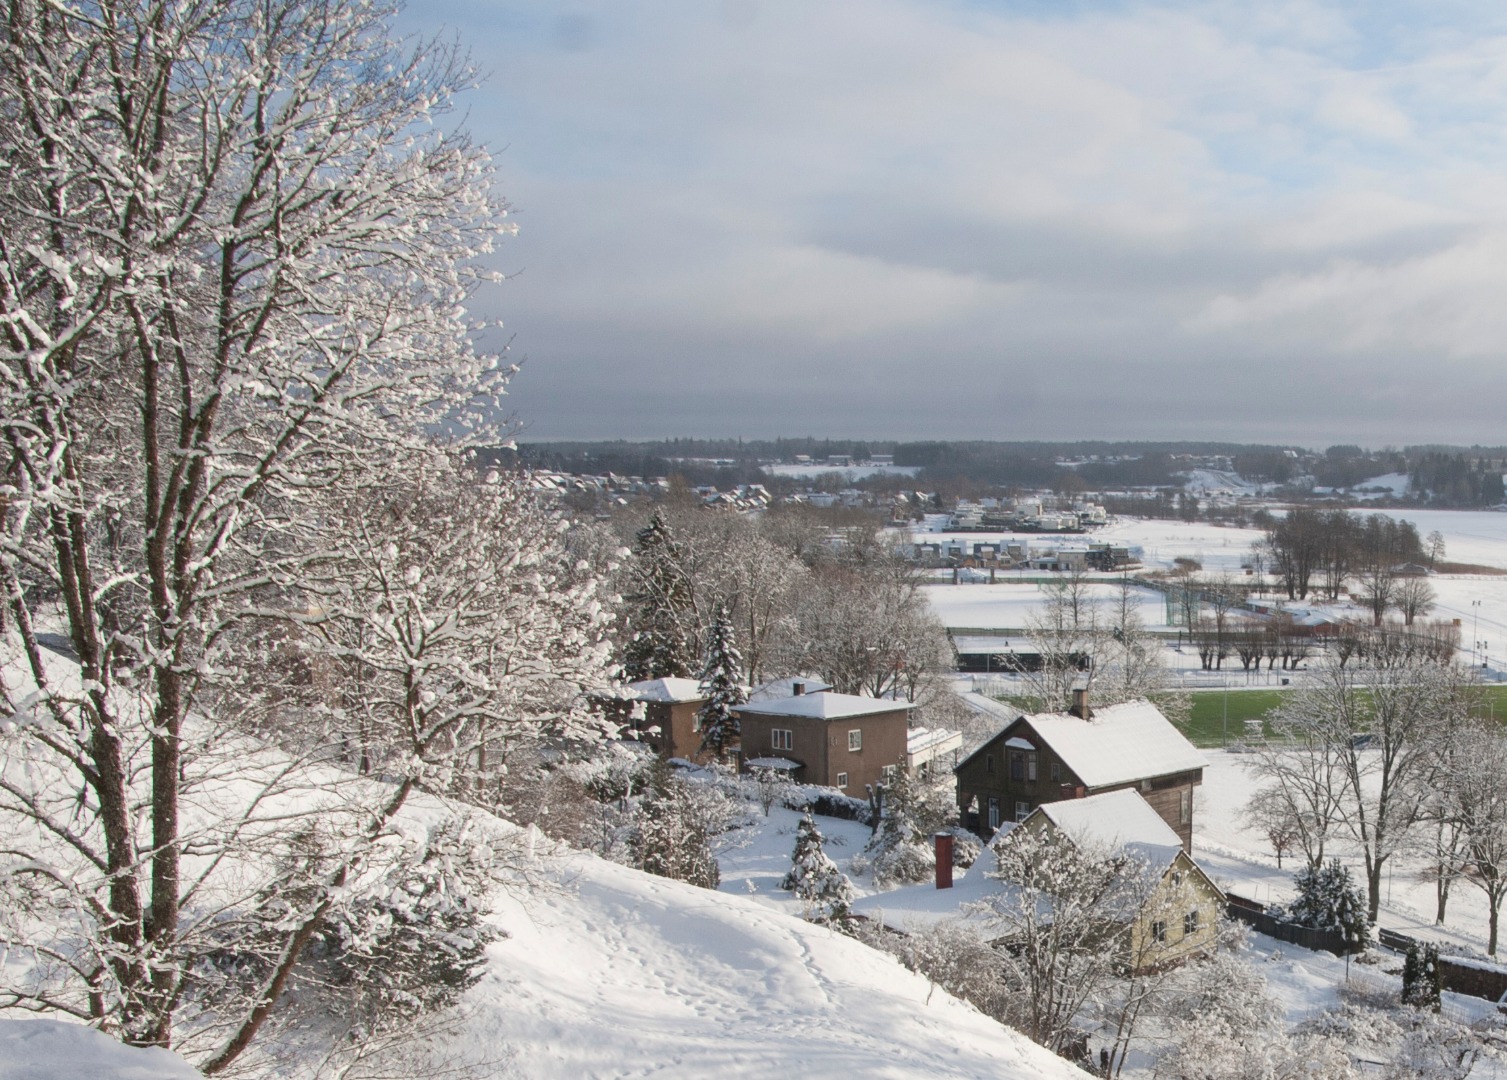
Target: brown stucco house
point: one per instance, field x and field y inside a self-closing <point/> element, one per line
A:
<point x="1045" y="758"/>
<point x="668" y="722"/>
<point x="835" y="740"/>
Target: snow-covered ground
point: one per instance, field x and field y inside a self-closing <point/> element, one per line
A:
<point x="40" y="1049"/>
<point x="1479" y="601"/>
<point x="619" y="974"/>
<point x="852" y="472"/>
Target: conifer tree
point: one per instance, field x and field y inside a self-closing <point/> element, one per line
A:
<point x="1329" y="899"/>
<point x="720" y="687"/>
<point x="814" y="877"/>
<point x="659" y="606"/>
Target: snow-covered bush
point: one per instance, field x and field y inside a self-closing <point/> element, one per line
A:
<point x="1329" y="899"/>
<point x="676" y="824"/>
<point x="814" y="877"/>
<point x="1422" y="981"/>
<point x="914" y="809"/>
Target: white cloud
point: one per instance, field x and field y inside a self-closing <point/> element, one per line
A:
<point x="844" y="186"/>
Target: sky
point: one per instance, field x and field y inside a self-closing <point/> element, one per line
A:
<point x="1042" y="219"/>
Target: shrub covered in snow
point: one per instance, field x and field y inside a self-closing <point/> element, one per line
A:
<point x="814" y="877"/>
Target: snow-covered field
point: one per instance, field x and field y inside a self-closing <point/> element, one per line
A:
<point x="1479" y="601"/>
<point x="852" y="472"/>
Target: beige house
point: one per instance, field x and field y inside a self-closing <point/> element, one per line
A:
<point x="835" y="740"/>
<point x="1181" y="907"/>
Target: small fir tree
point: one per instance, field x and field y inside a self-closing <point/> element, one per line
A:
<point x="659" y="606"/>
<point x="1329" y="899"/>
<point x="1422" y="982"/>
<point x="673" y="835"/>
<point x="720" y="686"/>
<point x="814" y="877"/>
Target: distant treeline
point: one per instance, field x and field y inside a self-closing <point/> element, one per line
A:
<point x="1438" y="475"/>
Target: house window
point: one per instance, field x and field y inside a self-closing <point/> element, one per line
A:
<point x="1190" y="923"/>
<point x="1056" y="772"/>
<point x="842" y="779"/>
<point x="782" y="738"/>
<point x="888" y="772"/>
<point x="993" y="813"/>
<point x="1017" y="767"/>
<point x="989" y="763"/>
<point x="1185" y="807"/>
<point x="1022" y="810"/>
<point x="1031" y="767"/>
<point x="1158" y="931"/>
<point x="855" y="740"/>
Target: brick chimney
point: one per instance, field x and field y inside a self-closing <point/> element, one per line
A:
<point x="943" y="843"/>
<point x="797" y="689"/>
<point x="1080" y="707"/>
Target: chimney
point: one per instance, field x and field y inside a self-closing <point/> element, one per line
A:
<point x="1080" y="707"/>
<point x="943" y="842"/>
<point x="797" y="689"/>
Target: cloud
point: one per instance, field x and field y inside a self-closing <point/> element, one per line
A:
<point x="897" y="217"/>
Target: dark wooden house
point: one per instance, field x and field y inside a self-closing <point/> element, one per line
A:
<point x="1047" y="757"/>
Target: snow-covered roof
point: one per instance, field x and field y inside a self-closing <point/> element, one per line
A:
<point x="824" y="705"/>
<point x="1116" y="819"/>
<point x="784" y="688"/>
<point x="921" y="739"/>
<point x="780" y="763"/>
<point x="1118" y="744"/>
<point x="667" y="690"/>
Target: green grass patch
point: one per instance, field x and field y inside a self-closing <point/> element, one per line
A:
<point x="1218" y="716"/>
<point x="1215" y="712"/>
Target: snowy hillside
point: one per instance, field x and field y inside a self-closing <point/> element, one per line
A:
<point x="54" y="1050"/>
<point x="623" y="974"/>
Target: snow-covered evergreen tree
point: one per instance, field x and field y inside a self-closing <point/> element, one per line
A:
<point x="1329" y="899"/>
<point x="814" y="877"/>
<point x="659" y="606"/>
<point x="673" y="836"/>
<point x="1422" y="981"/>
<point x="720" y="687"/>
<point x="913" y="810"/>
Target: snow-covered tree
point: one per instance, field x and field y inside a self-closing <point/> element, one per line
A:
<point x="721" y="688"/>
<point x="1471" y="801"/>
<point x="672" y="837"/>
<point x="913" y="809"/>
<point x="814" y="877"/>
<point x="1367" y="738"/>
<point x="1329" y="899"/>
<point x="232" y="289"/>
<point x="1064" y="919"/>
<point x="660" y="605"/>
<point x="1422" y="980"/>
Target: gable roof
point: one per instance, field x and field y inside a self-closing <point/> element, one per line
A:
<point x="669" y="690"/>
<point x="1116" y="819"/>
<point x="823" y="705"/>
<point x="1120" y="743"/>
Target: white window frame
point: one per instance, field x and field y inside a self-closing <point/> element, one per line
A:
<point x="993" y="812"/>
<point x="1185" y="807"/>
<point x="842" y="779"/>
<point x="888" y="772"/>
<point x="1022" y="809"/>
<point x="855" y="739"/>
<point x="1190" y="923"/>
<point x="782" y="738"/>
